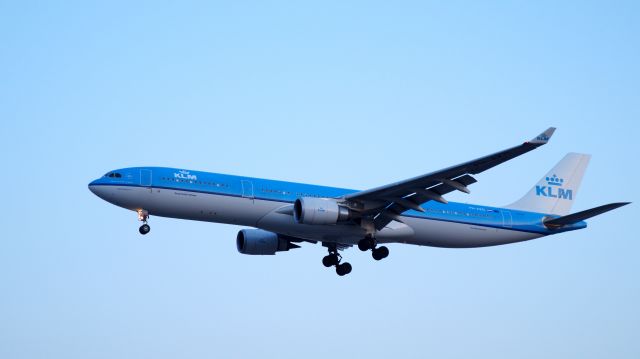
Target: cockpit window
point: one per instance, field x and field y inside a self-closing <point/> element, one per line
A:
<point x="113" y="175"/>
<point x="117" y="175"/>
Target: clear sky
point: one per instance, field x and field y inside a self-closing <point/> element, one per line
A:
<point x="352" y="94"/>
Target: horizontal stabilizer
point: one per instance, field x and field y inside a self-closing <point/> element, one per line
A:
<point x="581" y="216"/>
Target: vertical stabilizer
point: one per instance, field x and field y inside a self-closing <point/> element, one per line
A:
<point x="556" y="191"/>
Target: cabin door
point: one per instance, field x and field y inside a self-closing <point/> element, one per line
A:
<point x="507" y="220"/>
<point x="145" y="178"/>
<point x="247" y="189"/>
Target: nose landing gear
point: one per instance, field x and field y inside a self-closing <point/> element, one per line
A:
<point x="143" y="215"/>
<point x="144" y="229"/>
<point x="334" y="259"/>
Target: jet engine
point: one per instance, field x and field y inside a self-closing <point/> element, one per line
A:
<point x="310" y="210"/>
<point x="257" y="241"/>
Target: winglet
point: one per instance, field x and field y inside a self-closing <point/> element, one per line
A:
<point x="544" y="137"/>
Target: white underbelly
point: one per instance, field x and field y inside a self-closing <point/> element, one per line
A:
<point x="437" y="233"/>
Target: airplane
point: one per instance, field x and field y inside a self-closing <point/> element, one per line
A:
<point x="414" y="211"/>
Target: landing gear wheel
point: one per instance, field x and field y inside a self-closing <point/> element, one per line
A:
<point x="330" y="260"/>
<point x="144" y="229"/>
<point x="366" y="243"/>
<point x="334" y="259"/>
<point x="380" y="253"/>
<point x="343" y="269"/>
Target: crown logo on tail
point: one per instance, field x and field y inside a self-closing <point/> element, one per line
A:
<point x="554" y="181"/>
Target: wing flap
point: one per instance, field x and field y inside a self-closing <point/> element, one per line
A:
<point x="420" y="195"/>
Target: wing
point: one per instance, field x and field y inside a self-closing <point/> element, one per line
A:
<point x="386" y="203"/>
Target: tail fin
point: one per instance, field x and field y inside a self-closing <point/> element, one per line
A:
<point x="556" y="191"/>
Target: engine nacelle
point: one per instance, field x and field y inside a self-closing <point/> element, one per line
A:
<point x="310" y="210"/>
<point x="259" y="242"/>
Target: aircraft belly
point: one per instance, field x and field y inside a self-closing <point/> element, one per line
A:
<point x="210" y="207"/>
<point x="461" y="235"/>
<point x="198" y="206"/>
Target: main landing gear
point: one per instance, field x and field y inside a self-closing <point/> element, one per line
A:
<point x="143" y="216"/>
<point x="334" y="259"/>
<point x="377" y="253"/>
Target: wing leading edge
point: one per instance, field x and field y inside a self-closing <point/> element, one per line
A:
<point x="386" y="203"/>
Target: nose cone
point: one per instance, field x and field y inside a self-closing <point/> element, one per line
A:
<point x="93" y="186"/>
<point x="98" y="188"/>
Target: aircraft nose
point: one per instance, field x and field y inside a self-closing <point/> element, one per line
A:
<point x="101" y="189"/>
<point x="94" y="188"/>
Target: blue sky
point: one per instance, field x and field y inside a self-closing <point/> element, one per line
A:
<point x="352" y="94"/>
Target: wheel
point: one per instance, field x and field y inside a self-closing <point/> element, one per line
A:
<point x="364" y="244"/>
<point x="380" y="253"/>
<point x="347" y="267"/>
<point x="343" y="269"/>
<point x="330" y="260"/>
<point x="144" y="229"/>
<point x="327" y="261"/>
